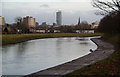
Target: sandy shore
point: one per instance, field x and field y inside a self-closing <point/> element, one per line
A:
<point x="103" y="51"/>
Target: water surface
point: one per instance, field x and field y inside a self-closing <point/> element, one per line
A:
<point x="35" y="55"/>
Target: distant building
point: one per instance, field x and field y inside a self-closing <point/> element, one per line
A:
<point x="29" y="24"/>
<point x="59" y="18"/>
<point x="94" y="25"/>
<point x="84" y="31"/>
<point x="2" y="21"/>
<point x="44" y="24"/>
<point x="37" y="24"/>
<point x="29" y="21"/>
<point x="54" y="24"/>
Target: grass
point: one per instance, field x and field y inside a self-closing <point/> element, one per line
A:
<point x="16" y="38"/>
<point x="107" y="67"/>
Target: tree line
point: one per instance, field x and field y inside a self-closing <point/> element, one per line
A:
<point x="110" y="23"/>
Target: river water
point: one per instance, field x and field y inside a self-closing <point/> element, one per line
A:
<point x="35" y="55"/>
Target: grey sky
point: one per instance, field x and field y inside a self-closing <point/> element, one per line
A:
<point x="45" y="10"/>
<point x="46" y="0"/>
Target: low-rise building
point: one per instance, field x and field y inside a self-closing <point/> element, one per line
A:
<point x="43" y="24"/>
<point x="94" y="26"/>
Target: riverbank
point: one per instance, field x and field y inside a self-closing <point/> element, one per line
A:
<point x="17" y="38"/>
<point x="103" y="51"/>
<point x="107" y="67"/>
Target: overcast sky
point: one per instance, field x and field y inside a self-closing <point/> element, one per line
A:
<point x="45" y="10"/>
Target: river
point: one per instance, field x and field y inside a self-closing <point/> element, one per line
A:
<point x="35" y="55"/>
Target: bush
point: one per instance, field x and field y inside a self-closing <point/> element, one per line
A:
<point x="110" y="24"/>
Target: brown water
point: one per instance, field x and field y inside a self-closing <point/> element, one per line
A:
<point x="35" y="55"/>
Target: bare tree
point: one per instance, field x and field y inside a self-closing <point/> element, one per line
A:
<point x="18" y="22"/>
<point x="22" y="27"/>
<point x="18" y="19"/>
<point x="107" y="6"/>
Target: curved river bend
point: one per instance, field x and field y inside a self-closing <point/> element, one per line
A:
<point x="35" y="55"/>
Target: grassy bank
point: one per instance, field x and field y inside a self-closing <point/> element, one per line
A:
<point x="16" y="38"/>
<point x="107" y="67"/>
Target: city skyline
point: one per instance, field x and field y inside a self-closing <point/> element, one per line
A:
<point x="46" y="11"/>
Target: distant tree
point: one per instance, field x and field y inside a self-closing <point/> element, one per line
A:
<point x="67" y="29"/>
<point x="18" y="21"/>
<point x="5" y="30"/>
<point x="23" y="28"/>
<point x="84" y="25"/>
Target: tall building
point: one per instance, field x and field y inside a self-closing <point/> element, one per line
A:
<point x="2" y="21"/>
<point x="29" y="22"/>
<point x="59" y="18"/>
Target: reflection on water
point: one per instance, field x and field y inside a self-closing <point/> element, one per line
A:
<point x="36" y="55"/>
<point x="85" y="43"/>
<point x="82" y="39"/>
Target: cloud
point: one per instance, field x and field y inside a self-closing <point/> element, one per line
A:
<point x="24" y="11"/>
<point x="45" y="5"/>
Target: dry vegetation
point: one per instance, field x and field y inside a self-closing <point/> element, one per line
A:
<point x="16" y="38"/>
